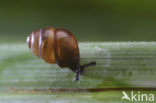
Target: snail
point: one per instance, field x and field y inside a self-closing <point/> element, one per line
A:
<point x="57" y="45"/>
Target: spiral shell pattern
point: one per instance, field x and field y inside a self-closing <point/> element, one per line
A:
<point x="55" y="46"/>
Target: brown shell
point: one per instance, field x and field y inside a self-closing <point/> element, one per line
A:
<point x="66" y="49"/>
<point x="55" y="45"/>
<point x="41" y="42"/>
<point x="46" y="44"/>
<point x="34" y="42"/>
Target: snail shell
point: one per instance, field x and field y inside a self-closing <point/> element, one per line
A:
<point x="55" y="45"/>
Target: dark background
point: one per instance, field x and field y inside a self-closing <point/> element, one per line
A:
<point x="89" y="20"/>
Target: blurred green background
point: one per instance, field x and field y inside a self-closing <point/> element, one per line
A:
<point x="89" y="20"/>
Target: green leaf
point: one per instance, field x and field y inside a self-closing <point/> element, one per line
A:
<point x="119" y="65"/>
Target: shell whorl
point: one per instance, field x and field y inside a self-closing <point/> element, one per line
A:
<point x="41" y="42"/>
<point x="55" y="46"/>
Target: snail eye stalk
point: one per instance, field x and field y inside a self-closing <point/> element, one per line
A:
<point x="81" y="69"/>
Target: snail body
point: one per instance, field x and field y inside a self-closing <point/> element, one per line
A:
<point x="57" y="45"/>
